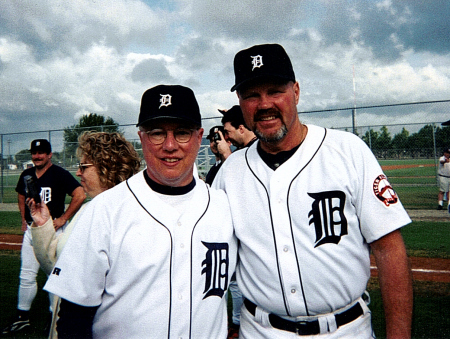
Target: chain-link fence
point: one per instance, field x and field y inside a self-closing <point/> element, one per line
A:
<point x="393" y="132"/>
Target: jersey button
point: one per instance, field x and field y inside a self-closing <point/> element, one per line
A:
<point x="293" y="290"/>
<point x="181" y="245"/>
<point x="285" y="248"/>
<point x="179" y="223"/>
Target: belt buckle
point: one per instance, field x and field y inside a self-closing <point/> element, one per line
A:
<point x="299" y="327"/>
<point x="307" y="327"/>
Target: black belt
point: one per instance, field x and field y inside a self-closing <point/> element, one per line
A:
<point x="445" y="176"/>
<point x="307" y="327"/>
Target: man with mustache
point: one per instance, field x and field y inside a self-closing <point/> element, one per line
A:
<point x="308" y="205"/>
<point x="53" y="183"/>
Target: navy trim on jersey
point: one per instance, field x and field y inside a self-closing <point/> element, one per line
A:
<point x="169" y="190"/>
<point x="171" y="251"/>
<point x="276" y="160"/>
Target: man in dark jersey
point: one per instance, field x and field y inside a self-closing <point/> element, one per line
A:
<point x="53" y="183"/>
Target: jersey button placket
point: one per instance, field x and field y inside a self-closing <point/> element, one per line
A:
<point x="180" y="290"/>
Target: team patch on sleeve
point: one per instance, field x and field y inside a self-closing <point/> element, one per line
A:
<point x="384" y="191"/>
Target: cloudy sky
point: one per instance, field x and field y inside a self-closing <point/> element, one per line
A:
<point x="60" y="59"/>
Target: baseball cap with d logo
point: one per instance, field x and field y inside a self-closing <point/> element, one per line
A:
<point x="169" y="102"/>
<point x="270" y="60"/>
<point x="42" y="145"/>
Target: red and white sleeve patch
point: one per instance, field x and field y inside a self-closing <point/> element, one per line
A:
<point x="384" y="191"/>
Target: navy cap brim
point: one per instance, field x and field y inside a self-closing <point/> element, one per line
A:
<point x="166" y="118"/>
<point x="259" y="78"/>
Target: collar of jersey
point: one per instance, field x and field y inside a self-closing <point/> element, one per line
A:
<point x="169" y="190"/>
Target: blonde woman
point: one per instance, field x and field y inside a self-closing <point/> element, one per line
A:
<point x="106" y="159"/>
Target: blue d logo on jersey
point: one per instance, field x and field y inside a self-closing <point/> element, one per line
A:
<point x="216" y="269"/>
<point x="328" y="217"/>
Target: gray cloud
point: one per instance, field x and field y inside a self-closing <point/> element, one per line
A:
<point x="389" y="28"/>
<point x="60" y="59"/>
<point x="256" y="20"/>
<point x="50" y="27"/>
<point x="151" y="71"/>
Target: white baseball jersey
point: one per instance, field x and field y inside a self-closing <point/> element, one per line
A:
<point x="304" y="229"/>
<point x="154" y="273"/>
<point x="444" y="168"/>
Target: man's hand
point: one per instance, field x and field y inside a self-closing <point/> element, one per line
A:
<point x="223" y="146"/>
<point x="59" y="222"/>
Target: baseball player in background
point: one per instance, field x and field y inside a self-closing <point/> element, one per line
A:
<point x="308" y="204"/>
<point x="152" y="256"/>
<point x="444" y="179"/>
<point x="53" y="184"/>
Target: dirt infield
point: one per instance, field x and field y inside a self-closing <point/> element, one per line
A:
<point x="424" y="269"/>
<point x="392" y="167"/>
<point x="10" y="242"/>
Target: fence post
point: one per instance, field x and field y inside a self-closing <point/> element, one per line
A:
<point x="354" y="121"/>
<point x="435" y="153"/>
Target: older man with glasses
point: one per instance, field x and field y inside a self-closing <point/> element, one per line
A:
<point x="153" y="256"/>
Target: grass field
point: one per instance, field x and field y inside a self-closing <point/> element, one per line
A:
<point x="416" y="188"/>
<point x="432" y="300"/>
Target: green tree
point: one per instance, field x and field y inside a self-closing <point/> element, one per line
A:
<point x="400" y="141"/>
<point x="442" y="138"/>
<point x="421" y="143"/>
<point x="384" y="140"/>
<point x="88" y="122"/>
<point x="23" y="156"/>
<point x="379" y="142"/>
<point x="370" y="138"/>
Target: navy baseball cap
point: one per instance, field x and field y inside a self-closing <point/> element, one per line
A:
<point x="213" y="131"/>
<point x="269" y="60"/>
<point x="169" y="102"/>
<point x="40" y="145"/>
